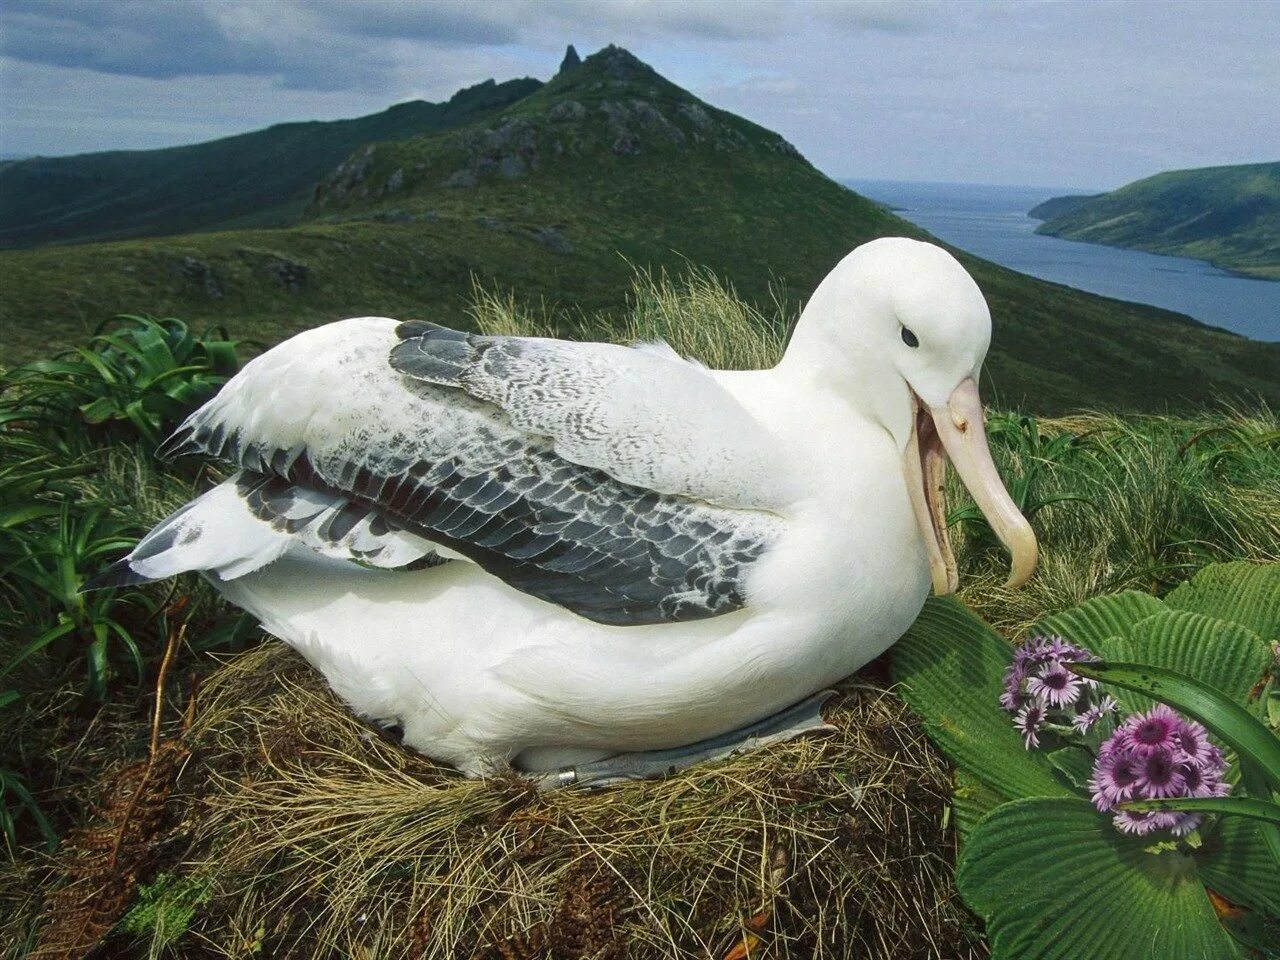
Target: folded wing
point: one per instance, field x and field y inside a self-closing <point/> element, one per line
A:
<point x="622" y="484"/>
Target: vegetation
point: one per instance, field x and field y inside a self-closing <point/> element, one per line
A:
<point x="259" y="179"/>
<point x="555" y="200"/>
<point x="1027" y="812"/>
<point x="1229" y="216"/>
<point x="276" y="824"/>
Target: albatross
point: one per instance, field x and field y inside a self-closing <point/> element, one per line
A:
<point x="585" y="559"/>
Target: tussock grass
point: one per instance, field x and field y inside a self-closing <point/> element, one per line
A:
<point x="1159" y="498"/>
<point x="699" y="315"/>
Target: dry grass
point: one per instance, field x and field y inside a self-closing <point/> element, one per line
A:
<point x="698" y="314"/>
<point x="326" y="839"/>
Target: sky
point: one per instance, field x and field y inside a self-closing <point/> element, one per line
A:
<point x="1086" y="94"/>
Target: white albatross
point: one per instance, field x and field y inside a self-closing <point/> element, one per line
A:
<point x="535" y="553"/>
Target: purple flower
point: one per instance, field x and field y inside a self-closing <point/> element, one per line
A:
<point x="1151" y="732"/>
<point x="1194" y="741"/>
<point x="1115" y="778"/>
<point x="1160" y="775"/>
<point x="1038" y="678"/>
<point x="1054" y="684"/>
<point x="1085" y="721"/>
<point x="1028" y="723"/>
<point x="1153" y="756"/>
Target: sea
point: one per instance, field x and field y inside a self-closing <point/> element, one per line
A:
<point x="992" y="222"/>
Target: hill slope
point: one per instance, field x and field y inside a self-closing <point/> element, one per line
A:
<point x="255" y="179"/>
<point x="1229" y="216"/>
<point x="557" y="198"/>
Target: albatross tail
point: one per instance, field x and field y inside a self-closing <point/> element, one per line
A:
<point x="215" y="533"/>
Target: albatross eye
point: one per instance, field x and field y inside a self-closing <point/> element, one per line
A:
<point x="909" y="338"/>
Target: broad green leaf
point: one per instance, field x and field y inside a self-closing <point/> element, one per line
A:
<point x="1246" y="593"/>
<point x="1227" y="656"/>
<point x="1093" y="622"/>
<point x="1074" y="763"/>
<point x="1225" y="718"/>
<point x="1234" y="861"/>
<point x="971" y="800"/>
<point x="1056" y="881"/>
<point x="1256" y="783"/>
<point x="949" y="667"/>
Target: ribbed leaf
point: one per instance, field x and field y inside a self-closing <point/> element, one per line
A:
<point x="1227" y="656"/>
<point x="971" y="800"/>
<point x="1246" y="593"/>
<point x="1235" y="806"/>
<point x="1055" y="881"/>
<point x="1228" y="719"/>
<point x="1234" y="861"/>
<point x="949" y="667"/>
<point x="1093" y="622"/>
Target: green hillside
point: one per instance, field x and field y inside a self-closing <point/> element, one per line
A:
<point x="557" y="199"/>
<point x="1229" y="216"/>
<point x="255" y="179"/>
<point x="1060" y="206"/>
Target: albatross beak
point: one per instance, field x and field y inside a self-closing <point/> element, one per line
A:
<point x="958" y="429"/>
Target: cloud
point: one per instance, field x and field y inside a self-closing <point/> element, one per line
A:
<point x="333" y="44"/>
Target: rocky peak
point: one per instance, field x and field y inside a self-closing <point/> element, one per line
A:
<point x="618" y="64"/>
<point x="570" y="62"/>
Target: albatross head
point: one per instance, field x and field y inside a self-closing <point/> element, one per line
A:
<point x="900" y="330"/>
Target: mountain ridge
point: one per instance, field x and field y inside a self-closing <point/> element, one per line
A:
<point x="1228" y="215"/>
<point x="555" y="199"/>
<point x="258" y="178"/>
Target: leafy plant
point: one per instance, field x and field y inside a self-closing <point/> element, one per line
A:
<point x="146" y="374"/>
<point x="47" y="570"/>
<point x="1049" y="873"/>
<point x="1036" y="454"/>
<point x="165" y="907"/>
<point x="16" y="798"/>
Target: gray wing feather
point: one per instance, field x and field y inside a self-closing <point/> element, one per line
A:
<point x="438" y="457"/>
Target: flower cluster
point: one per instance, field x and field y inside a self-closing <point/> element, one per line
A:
<point x="1153" y="756"/>
<point x="1039" y="689"/>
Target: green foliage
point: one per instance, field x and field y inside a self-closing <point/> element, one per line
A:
<point x="145" y="375"/>
<point x="1159" y="507"/>
<point x="16" y="799"/>
<point x="1049" y="873"/>
<point x="44" y="577"/>
<point x="77" y="489"/>
<point x="1227" y="215"/>
<point x="1036" y="454"/>
<point x="165" y="907"/>
<point x="1056" y="882"/>
<point x="952" y="662"/>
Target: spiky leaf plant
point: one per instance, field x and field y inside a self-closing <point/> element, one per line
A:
<point x="141" y="376"/>
<point x="1049" y="872"/>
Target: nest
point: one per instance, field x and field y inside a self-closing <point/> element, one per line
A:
<point x="326" y="838"/>
<point x="320" y="837"/>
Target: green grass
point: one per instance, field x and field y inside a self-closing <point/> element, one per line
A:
<point x="1229" y="216"/>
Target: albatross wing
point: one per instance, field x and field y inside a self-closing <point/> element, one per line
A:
<point x="622" y="484"/>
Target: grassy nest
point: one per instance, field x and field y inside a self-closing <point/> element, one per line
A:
<point x="310" y="834"/>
